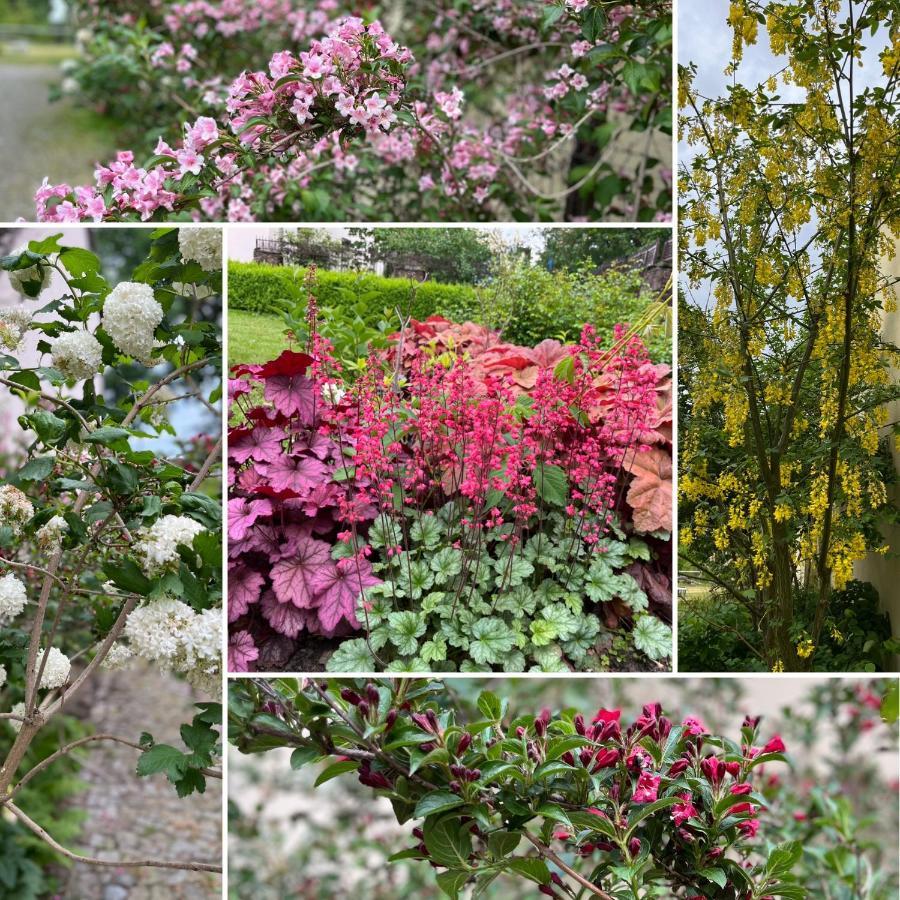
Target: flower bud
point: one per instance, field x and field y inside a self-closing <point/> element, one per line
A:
<point x="465" y="742"/>
<point x="579" y="725"/>
<point x="678" y="767"/>
<point x="540" y="727"/>
<point x="455" y="786"/>
<point x="390" y="719"/>
<point x="363" y="708"/>
<point x="634" y="846"/>
<point x="350" y="696"/>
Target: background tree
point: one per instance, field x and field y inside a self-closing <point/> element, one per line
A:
<point x="788" y="209"/>
<point x="566" y="248"/>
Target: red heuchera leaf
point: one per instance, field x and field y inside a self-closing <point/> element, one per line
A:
<point x="289" y="363"/>
<point x="650" y="494"/>
<point x="237" y="386"/>
<point x="295" y="473"/>
<point x="241" y="652"/>
<point x="285" y="618"/>
<point x="656" y="585"/>
<point x="245" y="369"/>
<point x="339" y="587"/>
<point x="549" y="352"/>
<point x="292" y="578"/>
<point x="259" y="444"/>
<point x="293" y="395"/>
<point x="241" y="515"/>
<point x="244" y="588"/>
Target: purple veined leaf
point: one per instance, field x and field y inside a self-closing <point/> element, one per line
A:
<point x="241" y="651"/>
<point x="293" y="395"/>
<point x="321" y="497"/>
<point x="286" y="618"/>
<point x="339" y="588"/>
<point x="316" y="443"/>
<point x="295" y="473"/>
<point x="251" y="480"/>
<point x="259" y="444"/>
<point x="290" y="362"/>
<point x="244" y="588"/>
<point x="238" y="386"/>
<point x="242" y="514"/>
<point x="293" y="577"/>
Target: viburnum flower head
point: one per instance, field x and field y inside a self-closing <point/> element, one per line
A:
<point x="56" y="668"/>
<point x="15" y="508"/>
<point x="158" y="544"/>
<point x="14" y="322"/>
<point x="130" y="317"/>
<point x="13" y="597"/>
<point x="77" y="354"/>
<point x="49" y="535"/>
<point x="2" y="676"/>
<point x="202" y="245"/>
<point x="37" y="272"/>
<point x="118" y="657"/>
<point x="18" y="711"/>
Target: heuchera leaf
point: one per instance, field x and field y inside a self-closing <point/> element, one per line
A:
<point x="650" y="494"/>
<point x="295" y="473"/>
<point x="285" y="618"/>
<point x="259" y="444"/>
<point x="339" y="588"/>
<point x="244" y="588"/>
<point x="293" y="395"/>
<point x="242" y="514"/>
<point x="241" y="652"/>
<point x="292" y="578"/>
<point x="289" y="363"/>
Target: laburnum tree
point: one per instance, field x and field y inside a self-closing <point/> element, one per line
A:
<point x="790" y="206"/>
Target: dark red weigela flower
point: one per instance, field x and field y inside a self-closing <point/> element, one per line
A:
<point x="371" y="779"/>
<point x="647" y="789"/>
<point x="776" y="745"/>
<point x="714" y="770"/>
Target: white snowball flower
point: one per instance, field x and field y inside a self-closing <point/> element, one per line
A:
<point x="49" y="536"/>
<point x="17" y="710"/>
<point x="158" y="544"/>
<point x="203" y="245"/>
<point x="169" y="633"/>
<point x="118" y="657"/>
<point x="15" y="508"/>
<point x="2" y="676"/>
<point x="77" y="354"/>
<point x="14" y="322"/>
<point x="130" y="317"/>
<point x="13" y="597"/>
<point x="56" y="669"/>
<point x="37" y="272"/>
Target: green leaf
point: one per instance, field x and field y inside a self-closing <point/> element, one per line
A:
<point x="647" y="809"/>
<point x="551" y="484"/>
<point x="304" y="755"/>
<point x="445" y="564"/>
<point x="161" y="758"/>
<point x="449" y="843"/>
<point x="351" y="656"/>
<point x="452" y="881"/>
<point x="127" y="576"/>
<point x="783" y="858"/>
<point x="106" y="435"/>
<point x="565" y="369"/>
<point x="37" y="469"/>
<point x="716" y="876"/>
<point x="427" y="530"/>
<point x="404" y="630"/>
<point x="437" y="802"/>
<point x="533" y="869"/>
<point x="653" y="637"/>
<point x="491" y="638"/>
<point x="890" y="704"/>
<point x="79" y="262"/>
<point x="502" y="843"/>
<point x="335" y="769"/>
<point x="491" y="706"/>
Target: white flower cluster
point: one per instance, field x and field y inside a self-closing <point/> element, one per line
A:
<point x="171" y="634"/>
<point x="118" y="657"/>
<point x="14" y="322"/>
<point x="15" y="508"/>
<point x="13" y="597"/>
<point x="203" y="245"/>
<point x="38" y="271"/>
<point x="2" y="676"/>
<point x="49" y="536"/>
<point x="130" y="317"/>
<point x="158" y="544"/>
<point x="77" y="354"/>
<point x="56" y="669"/>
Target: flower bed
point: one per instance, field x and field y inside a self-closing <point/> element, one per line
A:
<point x="463" y="504"/>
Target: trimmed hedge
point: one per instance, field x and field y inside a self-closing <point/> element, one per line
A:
<point x="258" y="288"/>
<point x="526" y="303"/>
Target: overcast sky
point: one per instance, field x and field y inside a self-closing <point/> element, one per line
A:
<point x="704" y="38"/>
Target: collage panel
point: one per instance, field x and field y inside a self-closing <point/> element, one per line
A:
<point x="450" y="449"/>
<point x="336" y="111"/>
<point x="583" y="787"/>
<point x="789" y="367"/>
<point x="110" y="562"/>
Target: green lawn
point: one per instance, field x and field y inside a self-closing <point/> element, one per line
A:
<point x="254" y="338"/>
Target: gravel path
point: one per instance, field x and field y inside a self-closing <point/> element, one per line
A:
<point x="40" y="138"/>
<point x="131" y="816"/>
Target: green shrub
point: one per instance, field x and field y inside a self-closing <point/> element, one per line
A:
<point x="526" y="302"/>
<point x="716" y="647"/>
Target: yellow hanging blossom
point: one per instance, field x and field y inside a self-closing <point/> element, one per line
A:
<point x="805" y="649"/>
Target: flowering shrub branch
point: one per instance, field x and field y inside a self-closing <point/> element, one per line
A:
<point x="575" y="807"/>
<point x="358" y="113"/>
<point x="130" y="542"/>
